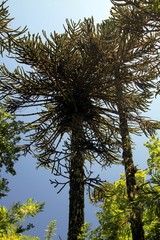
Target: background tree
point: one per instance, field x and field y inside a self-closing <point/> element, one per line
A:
<point x="10" y="220"/>
<point x="135" y="19"/>
<point x="153" y="146"/>
<point x="68" y="85"/>
<point x="114" y="217"/>
<point x="134" y="81"/>
<point x="10" y="148"/>
<point x="10" y="129"/>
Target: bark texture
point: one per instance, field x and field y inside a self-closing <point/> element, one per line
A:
<point x="130" y="169"/>
<point x="76" y="192"/>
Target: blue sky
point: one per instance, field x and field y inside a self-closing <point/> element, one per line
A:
<point x="50" y="15"/>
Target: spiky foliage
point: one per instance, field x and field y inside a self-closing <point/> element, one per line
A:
<point x="133" y="60"/>
<point x="91" y="86"/>
<point x="139" y="17"/>
<point x="68" y="82"/>
<point x="7" y="35"/>
<point x="70" y="88"/>
<point x="140" y="20"/>
<point x="142" y="16"/>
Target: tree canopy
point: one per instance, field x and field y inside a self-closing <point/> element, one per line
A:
<point x="91" y="86"/>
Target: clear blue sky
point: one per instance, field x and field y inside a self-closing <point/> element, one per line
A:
<point x="50" y="15"/>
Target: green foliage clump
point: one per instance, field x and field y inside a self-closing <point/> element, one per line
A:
<point x="10" y="220"/>
<point x="154" y="160"/>
<point x="84" y="231"/>
<point x="10" y="130"/>
<point x="10" y="150"/>
<point x="50" y="230"/>
<point x="114" y="217"/>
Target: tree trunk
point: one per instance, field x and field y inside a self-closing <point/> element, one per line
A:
<point x="76" y="192"/>
<point x="130" y="169"/>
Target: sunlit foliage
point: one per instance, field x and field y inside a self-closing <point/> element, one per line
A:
<point x="10" y="148"/>
<point x="114" y="217"/>
<point x="50" y="230"/>
<point x="10" y="220"/>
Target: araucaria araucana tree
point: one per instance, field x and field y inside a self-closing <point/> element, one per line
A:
<point x="74" y="123"/>
<point x="90" y="86"/>
<point x="133" y="59"/>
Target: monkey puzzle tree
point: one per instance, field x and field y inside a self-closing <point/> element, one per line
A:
<point x="91" y="87"/>
<point x="136" y="23"/>
<point x="139" y="16"/>
<point x="133" y="58"/>
<point x="74" y="124"/>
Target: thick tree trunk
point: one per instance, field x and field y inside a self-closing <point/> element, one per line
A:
<point x="76" y="192"/>
<point x="130" y="170"/>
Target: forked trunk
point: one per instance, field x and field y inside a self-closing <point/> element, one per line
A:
<point x="76" y="192"/>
